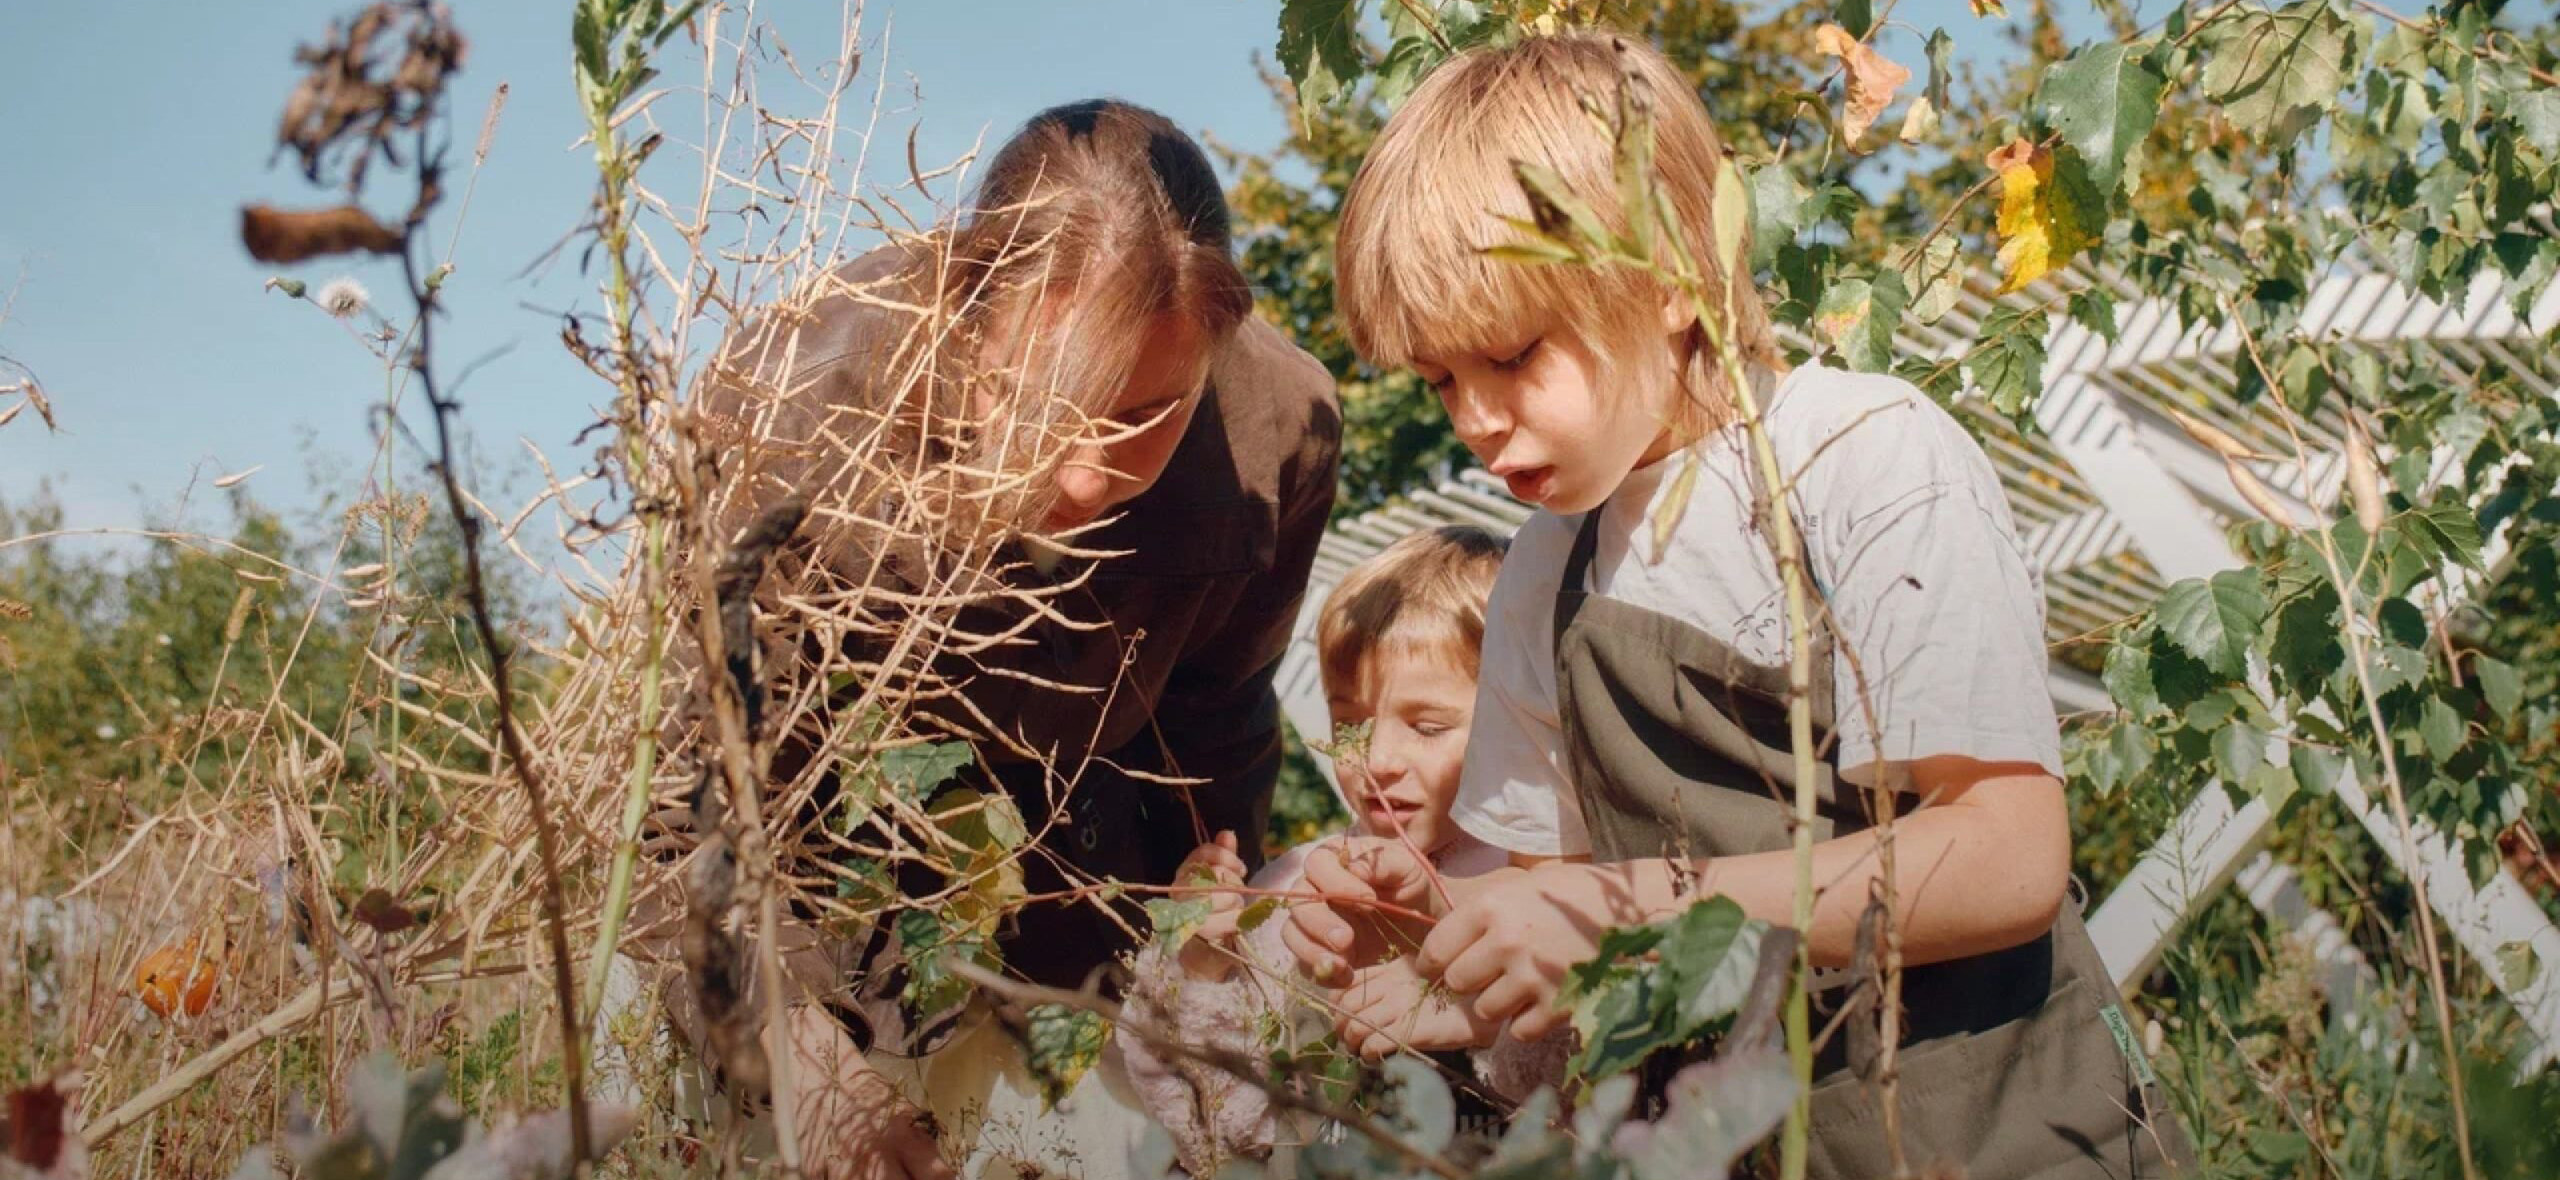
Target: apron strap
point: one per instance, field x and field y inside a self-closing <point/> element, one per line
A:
<point x="1577" y="574"/>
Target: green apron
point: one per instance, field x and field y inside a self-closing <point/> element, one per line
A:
<point x="2015" y="1064"/>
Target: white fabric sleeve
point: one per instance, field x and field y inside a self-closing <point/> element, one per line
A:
<point x="1515" y="792"/>
<point x="1932" y="593"/>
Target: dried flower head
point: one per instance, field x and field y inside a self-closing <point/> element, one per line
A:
<point x="342" y="297"/>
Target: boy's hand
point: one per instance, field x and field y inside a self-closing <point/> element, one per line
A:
<point x="1510" y="942"/>
<point x="1333" y="938"/>
<point x="1390" y="1007"/>
<point x="1206" y="954"/>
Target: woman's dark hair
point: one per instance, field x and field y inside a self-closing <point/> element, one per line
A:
<point x="1112" y="198"/>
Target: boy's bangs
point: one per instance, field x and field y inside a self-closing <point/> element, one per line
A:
<point x="1415" y="281"/>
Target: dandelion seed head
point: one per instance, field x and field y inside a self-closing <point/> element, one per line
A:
<point x="106" y="733"/>
<point x="342" y="297"/>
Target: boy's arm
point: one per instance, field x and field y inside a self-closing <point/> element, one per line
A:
<point x="1983" y="866"/>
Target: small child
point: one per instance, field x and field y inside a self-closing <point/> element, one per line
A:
<point x="1396" y="645"/>
<point x="1632" y="743"/>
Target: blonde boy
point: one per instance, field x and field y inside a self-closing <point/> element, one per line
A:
<point x="1630" y="744"/>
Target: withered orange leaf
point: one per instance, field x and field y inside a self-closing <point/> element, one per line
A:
<point x="1873" y="79"/>
<point x="293" y="235"/>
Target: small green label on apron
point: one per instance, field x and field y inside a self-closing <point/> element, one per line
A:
<point x="2125" y="1044"/>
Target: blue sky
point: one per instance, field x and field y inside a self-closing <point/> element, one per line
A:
<point x="135" y="129"/>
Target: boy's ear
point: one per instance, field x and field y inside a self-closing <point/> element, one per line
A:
<point x="1678" y="313"/>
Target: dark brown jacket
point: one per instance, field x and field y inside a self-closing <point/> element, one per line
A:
<point x="1195" y="618"/>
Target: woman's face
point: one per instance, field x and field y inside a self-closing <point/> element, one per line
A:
<point x="1120" y="447"/>
<point x="1125" y="446"/>
<point x="1419" y="703"/>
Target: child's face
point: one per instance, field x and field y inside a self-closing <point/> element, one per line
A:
<point x="1534" y="412"/>
<point x="1419" y="702"/>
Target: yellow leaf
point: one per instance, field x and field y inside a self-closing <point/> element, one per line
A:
<point x="1988" y="7"/>
<point x="2037" y="230"/>
<point x="1872" y="80"/>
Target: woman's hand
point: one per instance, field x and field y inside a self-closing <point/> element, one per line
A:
<point x="1390" y="1007"/>
<point x="1507" y="945"/>
<point x="1346" y="932"/>
<point x="1209" y="953"/>
<point x="853" y="1124"/>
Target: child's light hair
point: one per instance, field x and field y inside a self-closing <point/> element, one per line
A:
<point x="1411" y="276"/>
<point x="1425" y="593"/>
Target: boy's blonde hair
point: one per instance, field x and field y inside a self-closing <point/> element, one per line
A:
<point x="1411" y="276"/>
<point x="1423" y="593"/>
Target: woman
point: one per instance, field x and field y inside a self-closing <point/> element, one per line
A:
<point x="1062" y="413"/>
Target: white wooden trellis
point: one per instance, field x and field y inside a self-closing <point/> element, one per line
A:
<point x="2114" y="501"/>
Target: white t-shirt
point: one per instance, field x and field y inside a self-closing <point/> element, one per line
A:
<point x="1910" y="539"/>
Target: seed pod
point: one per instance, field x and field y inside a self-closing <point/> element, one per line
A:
<point x="2259" y="495"/>
<point x="2214" y="438"/>
<point x="2364" y="478"/>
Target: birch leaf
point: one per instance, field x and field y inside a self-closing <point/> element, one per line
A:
<point x="2044" y="218"/>
<point x="1873" y="79"/>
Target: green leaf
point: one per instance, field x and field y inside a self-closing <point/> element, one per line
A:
<point x="2103" y="100"/>
<point x="1936" y="277"/>
<point x="2094" y="309"/>
<point x="1061" y="1044"/>
<point x="915" y="770"/>
<point x="1732" y="207"/>
<point x="2215" y="621"/>
<point x="2275" y="72"/>
<point x="1407" y="61"/>
<point x="2007" y="364"/>
<point x="2446" y="528"/>
<point x="587" y="37"/>
<point x="2271" y="783"/>
<point x="1708" y="960"/>
<point x="2442" y="729"/>
<point x="2305" y="649"/>
<point x="1253" y="916"/>
<point x="2131" y="750"/>
<point x="1940" y="45"/>
<point x="2518" y="965"/>
<point x="1424" y="1112"/>
<point x="2318" y="768"/>
<point x="2128" y="675"/>
<point x="1858" y="317"/>
<point x="1558" y="212"/>
<point x="1176" y="917"/>
<point x="1777" y="210"/>
<point x="2537" y="114"/>
<point x="1713" y="1113"/>
<point x="1320" y="47"/>
<point x="2238" y="750"/>
<point x="1857" y="16"/>
<point x="2500" y="684"/>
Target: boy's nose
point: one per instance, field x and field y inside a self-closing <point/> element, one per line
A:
<point x="1475" y="419"/>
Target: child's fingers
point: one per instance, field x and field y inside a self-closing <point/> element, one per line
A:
<point x="1320" y="963"/>
<point x="1454" y="939"/>
<point x="1329" y="876"/>
<point x="1535" y="1023"/>
<point x="1505" y="998"/>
